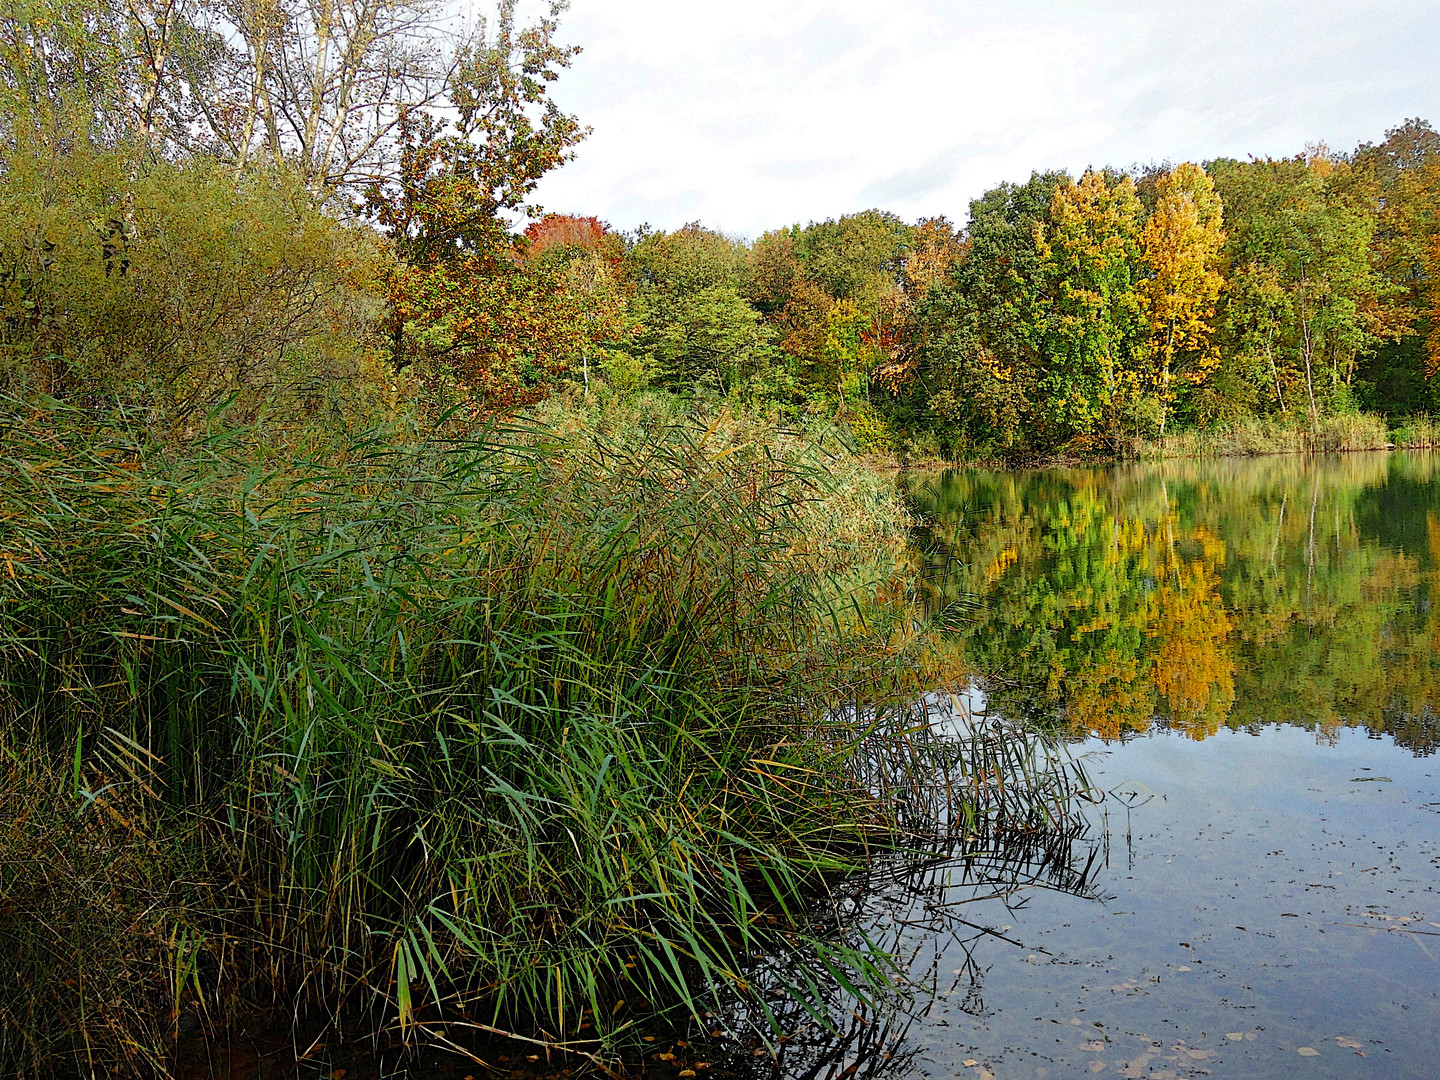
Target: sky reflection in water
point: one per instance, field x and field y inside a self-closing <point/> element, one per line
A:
<point x="1249" y="651"/>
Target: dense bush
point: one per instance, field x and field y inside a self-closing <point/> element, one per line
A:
<point x="179" y="287"/>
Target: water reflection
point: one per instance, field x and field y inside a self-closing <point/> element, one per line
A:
<point x="931" y="916"/>
<point x="1199" y="595"/>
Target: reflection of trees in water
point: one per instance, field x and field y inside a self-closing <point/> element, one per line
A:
<point x="917" y="910"/>
<point x="1201" y="593"/>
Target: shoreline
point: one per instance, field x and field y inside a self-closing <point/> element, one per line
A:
<point x="892" y="464"/>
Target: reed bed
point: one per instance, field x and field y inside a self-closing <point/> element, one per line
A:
<point x="515" y="732"/>
<point x="1284" y="434"/>
<point x="1420" y="432"/>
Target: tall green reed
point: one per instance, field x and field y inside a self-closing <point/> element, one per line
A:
<point x="496" y="731"/>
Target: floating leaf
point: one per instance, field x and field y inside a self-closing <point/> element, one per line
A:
<point x="1349" y="1044"/>
<point x="1307" y="1051"/>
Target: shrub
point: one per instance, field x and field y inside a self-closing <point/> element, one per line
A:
<point x="179" y="287"/>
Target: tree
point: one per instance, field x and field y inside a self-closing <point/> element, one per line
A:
<point x="1300" y="247"/>
<point x="857" y="257"/>
<point x="1182" y="245"/>
<point x="63" y="71"/>
<point x="935" y="247"/>
<point x="694" y="325"/>
<point x="1432" y="365"/>
<point x="564" y="236"/>
<point x="457" y="178"/>
<point x="462" y="296"/>
<point x="1401" y="175"/>
<point x="588" y="259"/>
<point x="1090" y="254"/>
<point x="1254" y="322"/>
<point x="980" y="333"/>
<point x="775" y="270"/>
<point x="322" y="86"/>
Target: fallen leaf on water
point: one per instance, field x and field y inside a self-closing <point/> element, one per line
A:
<point x="1198" y="1055"/>
<point x="687" y="1072"/>
<point x="1307" y="1051"/>
<point x="969" y="1063"/>
<point x="1097" y="1066"/>
<point x="1349" y="1044"/>
<point x="1234" y="1036"/>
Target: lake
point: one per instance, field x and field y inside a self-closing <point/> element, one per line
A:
<point x="1245" y="654"/>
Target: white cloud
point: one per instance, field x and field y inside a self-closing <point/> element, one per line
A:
<point x="750" y="115"/>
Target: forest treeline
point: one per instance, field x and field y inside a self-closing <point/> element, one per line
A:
<point x="284" y="202"/>
<point x="1081" y="313"/>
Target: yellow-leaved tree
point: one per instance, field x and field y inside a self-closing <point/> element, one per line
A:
<point x="1182" y="245"/>
<point x="1432" y="364"/>
<point x="1098" y="338"/>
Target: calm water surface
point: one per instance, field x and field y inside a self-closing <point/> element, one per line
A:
<point x="1248" y="652"/>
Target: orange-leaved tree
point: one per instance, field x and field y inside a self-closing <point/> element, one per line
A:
<point x="463" y="301"/>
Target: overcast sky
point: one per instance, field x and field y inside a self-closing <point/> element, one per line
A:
<point x="753" y="114"/>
